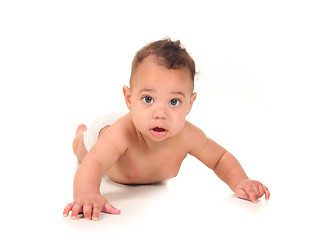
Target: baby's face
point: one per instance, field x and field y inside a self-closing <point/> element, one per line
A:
<point x="159" y="99"/>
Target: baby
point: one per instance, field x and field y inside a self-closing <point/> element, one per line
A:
<point x="148" y="144"/>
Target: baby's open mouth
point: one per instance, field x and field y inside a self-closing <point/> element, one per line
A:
<point x="159" y="132"/>
<point x="158" y="129"/>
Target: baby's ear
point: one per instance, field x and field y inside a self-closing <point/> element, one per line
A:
<point x="127" y="96"/>
<point x="192" y="100"/>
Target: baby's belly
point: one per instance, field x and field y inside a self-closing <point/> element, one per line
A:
<point x="142" y="174"/>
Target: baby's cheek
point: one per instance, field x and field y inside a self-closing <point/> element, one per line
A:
<point x="139" y="121"/>
<point x="179" y="124"/>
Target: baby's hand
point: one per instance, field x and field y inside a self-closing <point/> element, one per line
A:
<point x="251" y="190"/>
<point x="90" y="204"/>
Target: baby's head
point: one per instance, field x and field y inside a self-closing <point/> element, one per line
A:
<point x="161" y="94"/>
<point x="167" y="53"/>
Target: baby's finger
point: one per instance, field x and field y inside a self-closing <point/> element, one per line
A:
<point x="267" y="193"/>
<point x="87" y="210"/>
<point x="108" y="208"/>
<point x="75" y="210"/>
<point x="96" y="211"/>
<point x="67" y="209"/>
<point x="241" y="193"/>
<point x="261" y="191"/>
<point x="252" y="195"/>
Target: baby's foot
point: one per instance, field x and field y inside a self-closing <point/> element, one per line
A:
<point x="81" y="128"/>
<point x="79" y="134"/>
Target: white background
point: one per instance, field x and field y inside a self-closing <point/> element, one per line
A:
<point x="265" y="92"/>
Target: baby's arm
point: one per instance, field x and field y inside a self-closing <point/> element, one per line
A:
<point x="226" y="166"/>
<point x="87" y="197"/>
<point x="230" y="171"/>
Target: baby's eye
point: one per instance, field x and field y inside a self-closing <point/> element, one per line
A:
<point x="174" y="102"/>
<point x="147" y="100"/>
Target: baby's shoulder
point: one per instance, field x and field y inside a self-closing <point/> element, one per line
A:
<point x="120" y="131"/>
<point x="123" y="125"/>
<point x="192" y="130"/>
<point x="193" y="134"/>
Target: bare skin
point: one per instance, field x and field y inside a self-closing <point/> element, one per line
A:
<point x="148" y="144"/>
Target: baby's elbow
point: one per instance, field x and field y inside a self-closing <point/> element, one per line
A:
<point x="218" y="161"/>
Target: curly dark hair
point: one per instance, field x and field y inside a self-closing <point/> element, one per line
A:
<point x="168" y="53"/>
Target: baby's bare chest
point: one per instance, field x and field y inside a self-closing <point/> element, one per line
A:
<point x="141" y="166"/>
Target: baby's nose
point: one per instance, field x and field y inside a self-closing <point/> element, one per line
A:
<point x="160" y="113"/>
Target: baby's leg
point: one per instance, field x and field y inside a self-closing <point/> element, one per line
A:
<point x="78" y="143"/>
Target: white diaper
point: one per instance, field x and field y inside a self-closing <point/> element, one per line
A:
<point x="92" y="133"/>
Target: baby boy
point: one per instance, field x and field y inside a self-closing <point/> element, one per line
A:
<point x="148" y="144"/>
